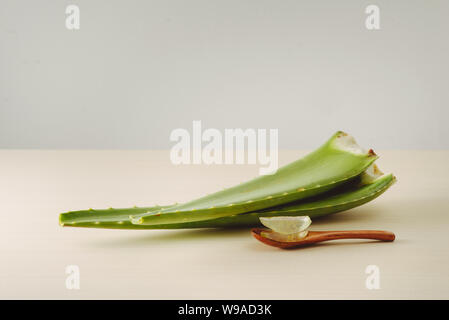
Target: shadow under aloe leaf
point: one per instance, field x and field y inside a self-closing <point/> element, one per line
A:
<point x="156" y="237"/>
<point x="354" y="215"/>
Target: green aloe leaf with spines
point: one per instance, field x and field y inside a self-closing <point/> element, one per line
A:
<point x="334" y="163"/>
<point x="325" y="181"/>
<point x="347" y="197"/>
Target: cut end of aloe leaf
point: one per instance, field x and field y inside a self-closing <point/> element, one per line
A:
<point x="371" y="174"/>
<point x="345" y="142"/>
<point x="286" y="224"/>
<point x="62" y="219"/>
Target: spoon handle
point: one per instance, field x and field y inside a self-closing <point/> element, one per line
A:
<point x="319" y="236"/>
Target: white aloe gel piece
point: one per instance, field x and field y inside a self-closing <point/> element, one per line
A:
<point x="286" y="228"/>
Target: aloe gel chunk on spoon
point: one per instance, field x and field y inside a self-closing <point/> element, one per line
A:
<point x="286" y="228"/>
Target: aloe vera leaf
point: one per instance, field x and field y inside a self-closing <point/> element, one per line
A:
<point x="341" y="199"/>
<point x="335" y="162"/>
<point x="334" y="144"/>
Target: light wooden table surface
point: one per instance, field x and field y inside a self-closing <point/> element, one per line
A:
<point x="210" y="264"/>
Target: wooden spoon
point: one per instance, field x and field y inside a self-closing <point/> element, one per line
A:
<point x="320" y="236"/>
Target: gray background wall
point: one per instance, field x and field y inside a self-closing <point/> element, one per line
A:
<point x="138" y="69"/>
